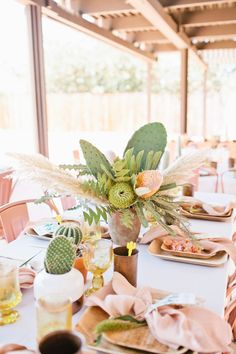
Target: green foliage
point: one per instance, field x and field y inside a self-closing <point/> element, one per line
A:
<point x="70" y="230"/>
<point x="60" y="256"/>
<point x="139" y="211"/>
<point x="150" y="137"/>
<point x="117" y="325"/>
<point x="94" y="216"/>
<point x="95" y="159"/>
<point x="127" y="218"/>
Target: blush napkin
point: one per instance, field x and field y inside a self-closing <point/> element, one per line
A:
<point x="210" y="209"/>
<point x="211" y="244"/>
<point x="26" y="277"/>
<point x="193" y="327"/>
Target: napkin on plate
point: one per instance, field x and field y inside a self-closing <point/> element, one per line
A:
<point x="193" y="327"/>
<point x="26" y="277"/>
<point x="211" y="244"/>
<point x="194" y="205"/>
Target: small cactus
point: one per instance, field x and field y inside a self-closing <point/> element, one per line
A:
<point x="70" y="230"/>
<point x="60" y="256"/>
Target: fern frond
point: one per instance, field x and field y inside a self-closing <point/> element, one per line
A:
<point x="127" y="218"/>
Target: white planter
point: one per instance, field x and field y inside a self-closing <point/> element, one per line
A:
<point x="70" y="284"/>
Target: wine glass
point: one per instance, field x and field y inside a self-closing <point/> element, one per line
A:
<point x="98" y="255"/>
<point x="10" y="294"/>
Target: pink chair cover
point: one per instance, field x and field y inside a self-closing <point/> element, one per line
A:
<point x="14" y="217"/>
<point x="5" y="187"/>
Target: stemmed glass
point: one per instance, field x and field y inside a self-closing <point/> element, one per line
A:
<point x="97" y="255"/>
<point x="10" y="294"/>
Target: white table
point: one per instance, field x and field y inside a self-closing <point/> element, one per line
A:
<point x="207" y="283"/>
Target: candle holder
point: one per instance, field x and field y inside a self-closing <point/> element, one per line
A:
<point x="188" y="190"/>
<point x="60" y="342"/>
<point x="126" y="265"/>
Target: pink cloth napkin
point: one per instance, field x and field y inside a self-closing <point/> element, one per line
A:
<point x="26" y="277"/>
<point x="216" y="210"/>
<point x="120" y="298"/>
<point x="212" y="244"/>
<point x="195" y="328"/>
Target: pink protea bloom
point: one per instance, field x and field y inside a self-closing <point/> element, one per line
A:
<point x="148" y="183"/>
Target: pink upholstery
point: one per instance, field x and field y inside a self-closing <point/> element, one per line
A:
<point x="76" y="156"/>
<point x="194" y="180"/>
<point x="14" y="217"/>
<point x="68" y="202"/>
<point x="5" y="187"/>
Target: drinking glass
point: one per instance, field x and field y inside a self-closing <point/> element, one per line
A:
<point x="53" y="312"/>
<point x="98" y="255"/>
<point x="10" y="294"/>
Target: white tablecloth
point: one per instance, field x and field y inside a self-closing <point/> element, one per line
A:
<point x="207" y="283"/>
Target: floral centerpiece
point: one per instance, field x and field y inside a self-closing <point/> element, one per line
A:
<point x="126" y="192"/>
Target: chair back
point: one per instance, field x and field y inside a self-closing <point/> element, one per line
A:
<point x="14" y="217"/>
<point x="68" y="202"/>
<point x="5" y="187"/>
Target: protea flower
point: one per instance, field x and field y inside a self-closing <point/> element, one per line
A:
<point x="148" y="183"/>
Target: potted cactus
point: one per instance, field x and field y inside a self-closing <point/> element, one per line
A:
<point x="73" y="232"/>
<point x="59" y="276"/>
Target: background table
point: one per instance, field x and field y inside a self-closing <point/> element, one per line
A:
<point x="207" y="283"/>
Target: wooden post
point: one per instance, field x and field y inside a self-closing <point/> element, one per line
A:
<point x="38" y="75"/>
<point x="184" y="91"/>
<point x="149" y="91"/>
<point x="204" y="103"/>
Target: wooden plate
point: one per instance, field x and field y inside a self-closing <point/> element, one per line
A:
<point x="218" y="260"/>
<point x="135" y="341"/>
<point x="203" y="255"/>
<point x="204" y="216"/>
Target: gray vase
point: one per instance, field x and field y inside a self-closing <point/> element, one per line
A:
<point x="121" y="234"/>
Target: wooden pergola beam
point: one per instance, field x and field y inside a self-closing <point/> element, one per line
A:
<point x="182" y="4"/>
<point x="212" y="32"/>
<point x="227" y="44"/>
<point x="154" y="12"/>
<point x="104" y="7"/>
<point x="131" y="23"/>
<point x="164" y="48"/>
<point x="77" y="22"/>
<point x="149" y="36"/>
<point x="184" y="91"/>
<point x="209" y="17"/>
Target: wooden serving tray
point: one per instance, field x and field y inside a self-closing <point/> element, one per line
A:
<point x="134" y="341"/>
<point x="215" y="261"/>
<point x="205" y="216"/>
<point x="203" y="255"/>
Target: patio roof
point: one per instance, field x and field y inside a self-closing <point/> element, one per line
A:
<point x="148" y="27"/>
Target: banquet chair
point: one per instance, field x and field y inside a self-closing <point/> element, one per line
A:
<point x="14" y="217"/>
<point x="68" y="202"/>
<point x="223" y="175"/>
<point x="5" y="187"/>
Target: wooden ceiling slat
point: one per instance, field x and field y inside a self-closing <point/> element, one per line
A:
<point x="149" y="36"/>
<point x="212" y="32"/>
<point x="182" y="4"/>
<point x="101" y="7"/>
<point x="131" y="23"/>
<point x="209" y="17"/>
<point x="229" y="44"/>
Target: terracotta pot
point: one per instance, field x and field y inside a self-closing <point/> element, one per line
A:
<point x="121" y="234"/>
<point x="79" y="265"/>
